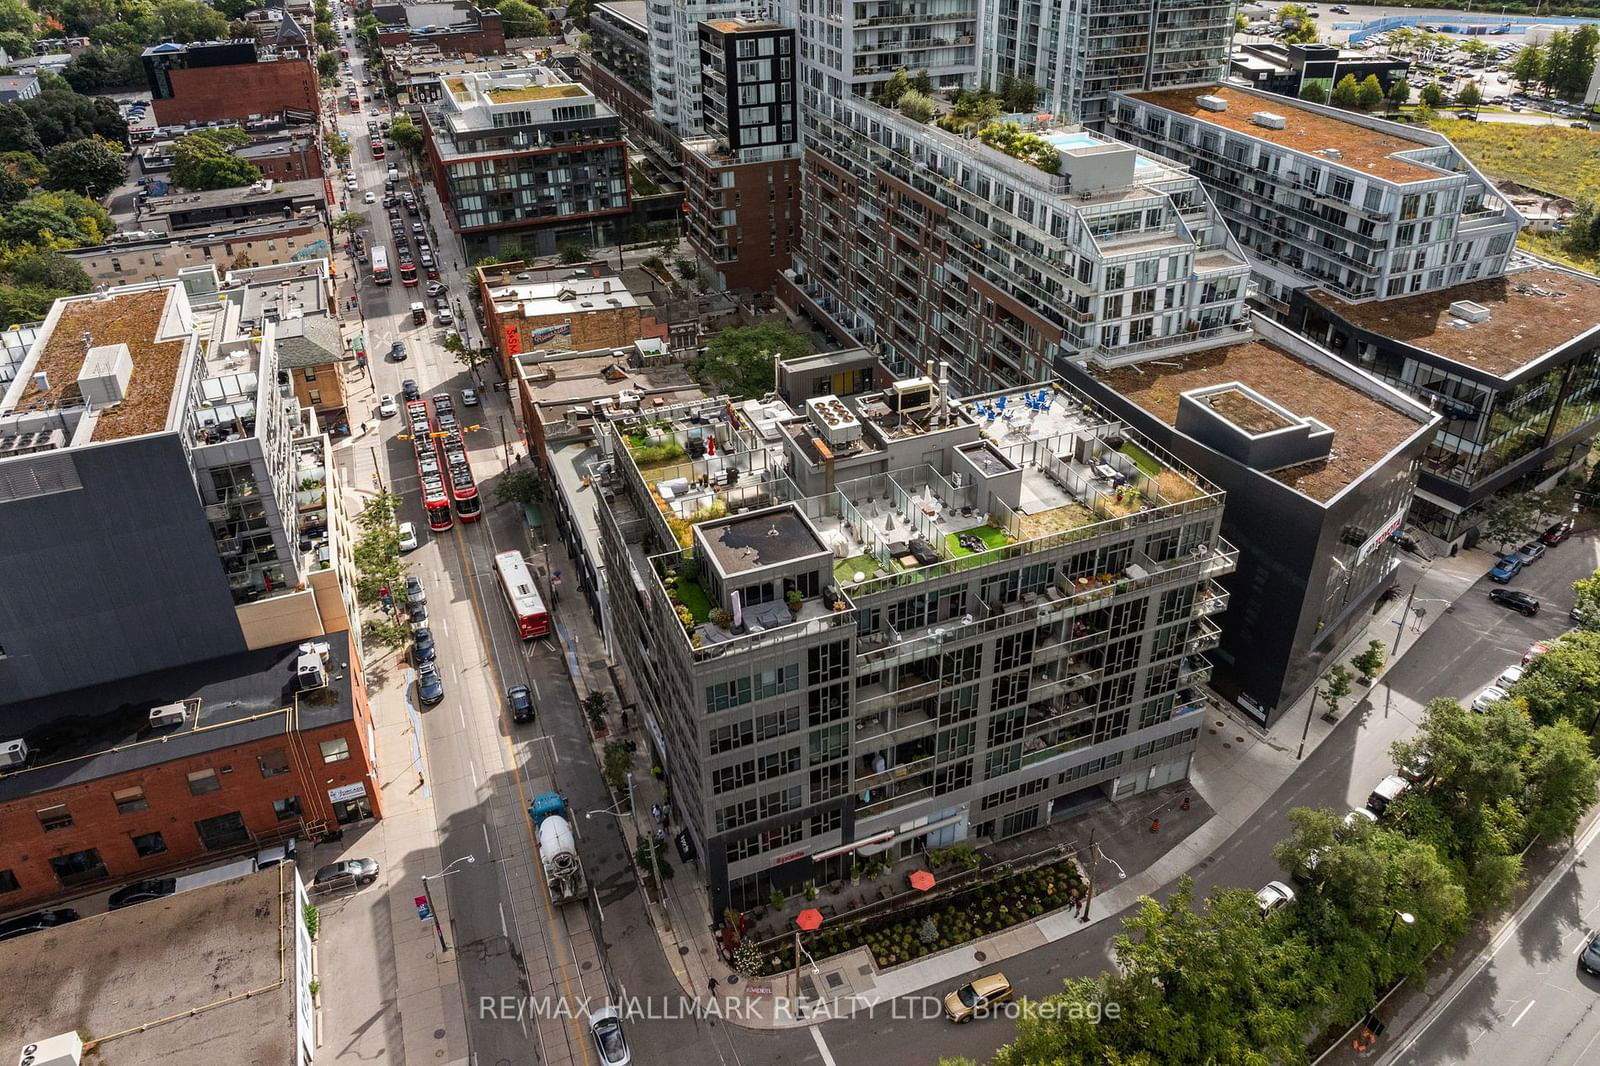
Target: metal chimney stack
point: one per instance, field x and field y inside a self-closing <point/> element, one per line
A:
<point x="944" y="393"/>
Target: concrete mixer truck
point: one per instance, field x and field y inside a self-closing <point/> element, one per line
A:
<point x="558" y="847"/>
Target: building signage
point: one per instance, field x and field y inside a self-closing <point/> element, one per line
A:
<point x="513" y="340"/>
<point x="791" y="857"/>
<point x="1387" y="530"/>
<point x="541" y="334"/>
<point x="348" y="792"/>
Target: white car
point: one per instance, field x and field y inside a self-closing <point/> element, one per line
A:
<point x="1488" y="698"/>
<point x="469" y="397"/>
<point x="435" y="288"/>
<point x="1510" y="677"/>
<point x="387" y="408"/>
<point x="408" y="537"/>
<point x="1274" y="895"/>
<point x="1358" y="816"/>
<point x="369" y="197"/>
<point x="605" y="1027"/>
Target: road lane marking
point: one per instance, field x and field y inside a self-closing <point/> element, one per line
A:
<point x="1523" y="1013"/>
<point x="503" y="930"/>
<point x="461" y="714"/>
<point x="487" y="847"/>
<point x="822" y="1047"/>
<point x="473" y="770"/>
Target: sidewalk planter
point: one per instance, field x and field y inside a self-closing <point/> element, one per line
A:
<point x="926" y="928"/>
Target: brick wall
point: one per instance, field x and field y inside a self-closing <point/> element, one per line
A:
<point x="206" y="94"/>
<point x="765" y="199"/>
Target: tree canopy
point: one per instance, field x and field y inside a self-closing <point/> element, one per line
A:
<point x="204" y="160"/>
<point x="61" y="115"/>
<point x="523" y="19"/>
<point x="739" y="361"/>
<point x="90" y="165"/>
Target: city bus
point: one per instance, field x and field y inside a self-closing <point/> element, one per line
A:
<point x="376" y="144"/>
<point x="380" y="266"/>
<point x="430" y="478"/>
<point x="521" y="596"/>
<point x="408" y="272"/>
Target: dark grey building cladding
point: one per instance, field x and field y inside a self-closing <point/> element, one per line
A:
<point x="755" y="104"/>
<point x="114" y="577"/>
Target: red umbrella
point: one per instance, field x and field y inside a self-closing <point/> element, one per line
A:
<point x="922" y="880"/>
<point x="809" y="919"/>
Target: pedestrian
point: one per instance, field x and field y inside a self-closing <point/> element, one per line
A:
<point x="711" y="985"/>
<point x="655" y="813"/>
<point x="661" y="836"/>
<point x="420" y="782"/>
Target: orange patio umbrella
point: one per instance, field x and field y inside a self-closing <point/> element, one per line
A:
<point x="922" y="880"/>
<point x="809" y="920"/>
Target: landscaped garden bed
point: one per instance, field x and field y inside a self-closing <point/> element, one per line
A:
<point x="941" y="923"/>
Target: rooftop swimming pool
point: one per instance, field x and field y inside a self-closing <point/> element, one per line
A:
<point x="1085" y="139"/>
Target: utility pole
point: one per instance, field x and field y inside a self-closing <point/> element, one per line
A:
<point x="1089" y="896"/>
<point x="504" y="442"/>
<point x="1400" y="626"/>
<point x="377" y="470"/>
<point x="1310" y="707"/>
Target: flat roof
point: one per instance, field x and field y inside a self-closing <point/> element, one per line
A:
<point x="166" y="981"/>
<point x="629" y="10"/>
<point x="1531" y="313"/>
<point x="304" y="189"/>
<point x="583" y="379"/>
<point x="130" y="318"/>
<point x="90" y="733"/>
<point x="1365" y="429"/>
<point x="1362" y="148"/>
<point x="766" y="538"/>
<point x="565" y="296"/>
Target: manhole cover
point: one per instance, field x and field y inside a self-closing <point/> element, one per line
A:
<point x="980" y="956"/>
<point x="683" y="950"/>
<point x="438" y="1034"/>
<point x="733" y="978"/>
<point x="1238" y="740"/>
<point x="1213" y="732"/>
<point x="586" y="965"/>
<point x="1226" y="744"/>
<point x="1220" y="722"/>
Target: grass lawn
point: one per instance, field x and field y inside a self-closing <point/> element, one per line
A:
<point x="642" y="185"/>
<point x="692" y="596"/>
<point x="845" y="570"/>
<point x="1141" y="458"/>
<point x="991" y="537"/>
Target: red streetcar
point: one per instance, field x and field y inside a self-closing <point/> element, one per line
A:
<point x="521" y="595"/>
<point x="463" y="488"/>
<point x="435" y="497"/>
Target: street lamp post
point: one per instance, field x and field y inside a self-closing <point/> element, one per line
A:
<point x="650" y="844"/>
<point x="428" y="895"/>
<point x="1398" y="916"/>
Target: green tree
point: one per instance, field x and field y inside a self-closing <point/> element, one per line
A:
<point x="1370" y="662"/>
<point x="1564" y="683"/>
<point x="1586" y="605"/>
<point x="618" y="761"/>
<point x="90" y="166"/>
<point x="523" y="19"/>
<point x="1557" y="60"/>
<point x="469" y="357"/>
<point x="16" y="131"/>
<point x="1579" y="65"/>
<point x="1369" y="94"/>
<point x="573" y="251"/>
<point x="1346" y="94"/>
<point x="1314" y="91"/>
<point x="377" y="549"/>
<point x="1562" y="776"/>
<point x="578" y="12"/>
<point x="1469" y="96"/>
<point x="738" y="361"/>
<point x="915" y="106"/>
<point x="1298" y="24"/>
<point x="521" y="487"/>
<point x="1018" y="94"/>
<point x="1399" y="94"/>
<point x="188" y="20"/>
<point x="205" y="160"/>
<point x="406" y="134"/>
<point x="349" y="222"/>
<point x="47" y="269"/>
<point x="23" y="166"/>
<point x="1336" y="684"/>
<point x="1510" y="520"/>
<point x="56" y="219"/>
<point x="1527" y="66"/>
<point x="79" y="17"/>
<point x="17" y="17"/>
<point x="103" y="69"/>
<point x="340" y="149"/>
<point x="62" y="115"/>
<point x="1431" y="97"/>
<point x="328" y="67"/>
<point x="889" y="92"/>
<point x="1476" y="51"/>
<point x="652" y="857"/>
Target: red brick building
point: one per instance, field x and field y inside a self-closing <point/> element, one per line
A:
<point x="453" y="28"/>
<point x="110" y="793"/>
<point x="741" y="230"/>
<point x="227" y="81"/>
<point x="285" y="157"/>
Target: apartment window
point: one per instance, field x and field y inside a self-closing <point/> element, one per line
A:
<point x="8" y="880"/>
<point x="273" y="763"/>
<point x="148" y="844"/>
<point x="56" y="817"/>
<point x="78" y="868"/>
<point x="826" y="822"/>
<point x="202" y="782"/>
<point x="1341" y="188"/>
<point x="286" y="809"/>
<point x="336" y="750"/>
<point x="129" y="800"/>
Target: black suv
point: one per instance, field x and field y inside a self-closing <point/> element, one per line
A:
<point x="24" y="924"/>
<point x="520" y="700"/>
<point x="142" y="892"/>
<point x="422" y="647"/>
<point x="1515" y="599"/>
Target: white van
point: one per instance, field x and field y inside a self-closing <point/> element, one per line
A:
<point x="394" y="174"/>
<point x="1389" y="789"/>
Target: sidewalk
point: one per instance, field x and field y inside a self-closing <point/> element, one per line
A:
<point x="1236" y="770"/>
<point x="387" y="992"/>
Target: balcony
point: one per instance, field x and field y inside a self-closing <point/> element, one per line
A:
<point x="1212" y="599"/>
<point x="1209" y="635"/>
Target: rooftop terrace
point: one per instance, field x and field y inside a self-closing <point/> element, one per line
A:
<point x="1531" y="313"/>
<point x="204" y="975"/>
<point x="1365" y="429"/>
<point x="1361" y="148"/>
<point x="768" y="538"/>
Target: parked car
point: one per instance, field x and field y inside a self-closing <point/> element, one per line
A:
<point x="1419" y="769"/>
<point x="1274" y="895"/>
<point x="1488" y="698"/>
<point x="423" y="649"/>
<point x="361" y="871"/>
<point x="1357" y="817"/>
<point x="1530" y="552"/>
<point x="1510" y="676"/>
<point x="1589" y="957"/>
<point x="1515" y="599"/>
<point x="975" y="998"/>
<point x="430" y="685"/>
<point x="408" y="537"/>
<point x="24" y="924"/>
<point x="1557" y="533"/>
<point x="469" y="397"/>
<point x="409" y="389"/>
<point x="1507" y="568"/>
<point x="1389" y="789"/>
<point x="520" y="701"/>
<point x="142" y="892"/>
<point x="1467" y="116"/>
<point x="436" y="288"/>
<point x="605" y="1029"/>
<point x="416" y="595"/>
<point x="397" y="352"/>
<point x="387" y="408"/>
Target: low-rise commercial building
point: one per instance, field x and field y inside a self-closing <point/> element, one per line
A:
<point x="577" y="313"/>
<point x="226" y="967"/>
<point x="285" y="157"/>
<point x="451" y="27"/>
<point x="227" y="246"/>
<point x="150" y="773"/>
<point x="274" y="200"/>
<point x="214" y="81"/>
<point x="1287" y="69"/>
<point x="527" y="161"/>
<point x="972" y="631"/>
<point x="1510" y="363"/>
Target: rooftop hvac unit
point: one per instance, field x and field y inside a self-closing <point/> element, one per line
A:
<point x="1269" y="120"/>
<point x="311" y="669"/>
<point x="1468" y="311"/>
<point x="168" y="715"/>
<point x="63" y="1050"/>
<point x="1212" y="103"/>
<point x="13" y="753"/>
<point x="911" y="394"/>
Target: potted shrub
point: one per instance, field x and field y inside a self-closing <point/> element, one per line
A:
<point x="794" y="599"/>
<point x="778" y="899"/>
<point x="721" y="616"/>
<point x="811" y="890"/>
<point x="855" y="872"/>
